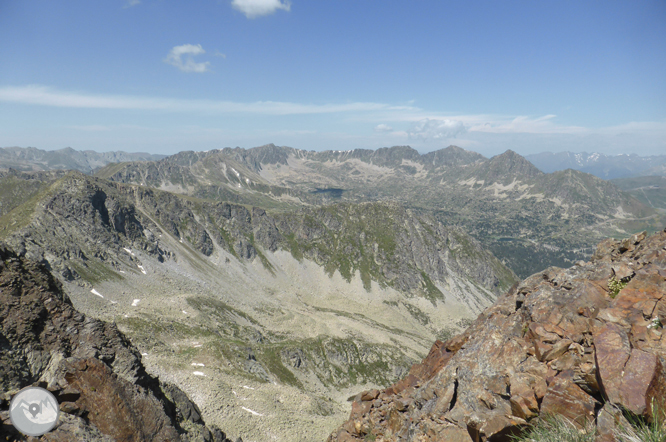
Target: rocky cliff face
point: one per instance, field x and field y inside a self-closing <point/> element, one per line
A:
<point x="93" y="370"/>
<point x="579" y="342"/>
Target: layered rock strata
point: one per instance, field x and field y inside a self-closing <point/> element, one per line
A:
<point x="92" y="369"/>
<point x="583" y="343"/>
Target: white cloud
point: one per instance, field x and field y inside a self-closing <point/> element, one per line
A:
<point x="45" y="96"/>
<point x="383" y="128"/>
<point x="524" y="124"/>
<point x="183" y="58"/>
<point x="257" y="8"/>
<point x="130" y="3"/>
<point x="427" y="129"/>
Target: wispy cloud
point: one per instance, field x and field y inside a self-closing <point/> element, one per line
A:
<point x="388" y="121"/>
<point x="183" y="58"/>
<point x="427" y="129"/>
<point x="131" y="3"/>
<point x="523" y="124"/>
<point x="258" y="8"/>
<point x="383" y="128"/>
<point x="45" y="96"/>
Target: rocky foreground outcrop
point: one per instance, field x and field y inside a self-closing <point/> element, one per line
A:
<point x="93" y="370"/>
<point x="583" y="343"/>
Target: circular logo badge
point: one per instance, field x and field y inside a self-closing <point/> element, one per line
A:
<point x="34" y="411"/>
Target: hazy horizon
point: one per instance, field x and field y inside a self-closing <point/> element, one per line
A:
<point x="159" y="77"/>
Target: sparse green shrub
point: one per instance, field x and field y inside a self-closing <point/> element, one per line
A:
<point x="614" y="286"/>
<point x="655" y="323"/>
<point x="555" y="429"/>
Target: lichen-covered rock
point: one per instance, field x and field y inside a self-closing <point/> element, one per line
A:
<point x="560" y="342"/>
<point x="93" y="370"/>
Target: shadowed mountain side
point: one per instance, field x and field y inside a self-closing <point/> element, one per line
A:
<point x="80" y="220"/>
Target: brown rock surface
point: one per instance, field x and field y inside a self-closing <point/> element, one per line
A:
<point x="556" y="342"/>
<point x="95" y="373"/>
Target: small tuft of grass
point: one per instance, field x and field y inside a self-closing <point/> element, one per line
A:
<point x="641" y="430"/>
<point x="555" y="429"/>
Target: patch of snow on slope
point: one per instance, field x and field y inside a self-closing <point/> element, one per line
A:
<point x="251" y="411"/>
<point x="95" y="292"/>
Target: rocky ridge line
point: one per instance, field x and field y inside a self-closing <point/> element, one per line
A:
<point x="583" y="343"/>
<point x="93" y="370"/>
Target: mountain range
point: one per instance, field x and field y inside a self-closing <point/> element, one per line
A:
<point x="273" y="314"/>
<point x="87" y="161"/>
<point x="272" y="284"/>
<point x="601" y="165"/>
<point x="527" y="218"/>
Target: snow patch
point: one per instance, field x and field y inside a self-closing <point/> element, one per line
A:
<point x="198" y="373"/>
<point x="135" y="302"/>
<point x="128" y="251"/>
<point x="252" y="411"/>
<point x="142" y="269"/>
<point x="197" y="364"/>
<point x="184" y="312"/>
<point x="95" y="292"/>
<point x="249" y="388"/>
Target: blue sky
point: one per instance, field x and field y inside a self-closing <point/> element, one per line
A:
<point x="163" y="76"/>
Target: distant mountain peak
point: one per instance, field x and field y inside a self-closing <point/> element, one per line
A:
<point x="452" y="156"/>
<point x="599" y="164"/>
